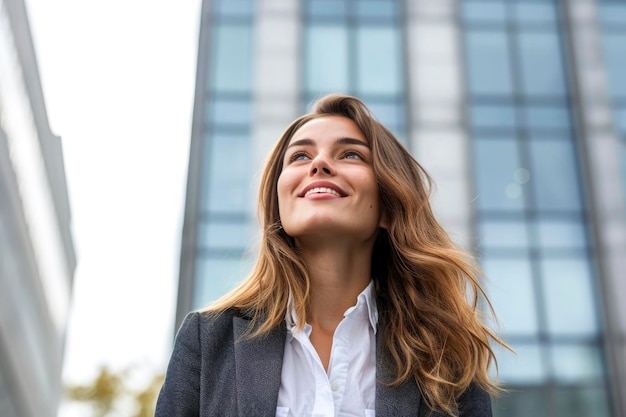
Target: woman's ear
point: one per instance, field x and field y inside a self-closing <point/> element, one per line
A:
<point x="383" y="224"/>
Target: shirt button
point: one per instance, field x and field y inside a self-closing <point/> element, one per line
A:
<point x="335" y="386"/>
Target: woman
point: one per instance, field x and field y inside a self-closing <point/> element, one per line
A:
<point x="357" y="305"/>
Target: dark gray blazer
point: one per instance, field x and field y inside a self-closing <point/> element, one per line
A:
<point x="214" y="371"/>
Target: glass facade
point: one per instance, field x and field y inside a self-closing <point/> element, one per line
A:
<point x="226" y="220"/>
<point x="531" y="219"/>
<point x="486" y="94"/>
<point x="612" y="14"/>
<point x="356" y="47"/>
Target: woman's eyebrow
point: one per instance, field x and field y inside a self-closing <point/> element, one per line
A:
<point x="340" y="141"/>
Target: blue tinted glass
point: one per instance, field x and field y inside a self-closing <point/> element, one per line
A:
<point x="379" y="9"/>
<point x="378" y="63"/>
<point x="541" y="64"/>
<point x="326" y="8"/>
<point x="488" y="63"/>
<point x="503" y="234"/>
<point x="493" y="116"/>
<point x="220" y="235"/>
<point x="229" y="111"/>
<point x="582" y="401"/>
<point x="561" y="234"/>
<point x="525" y="367"/>
<point x="215" y="277"/>
<point x="615" y="58"/>
<point x="509" y="285"/>
<point x="613" y="13"/>
<point x="227" y="185"/>
<point x="620" y="116"/>
<point x="547" y="117"/>
<point x="535" y="13"/>
<point x="495" y="164"/>
<point x="232" y="57"/>
<point x="525" y="401"/>
<point x="243" y="8"/>
<point x="326" y="59"/>
<point x="484" y="11"/>
<point x="554" y="175"/>
<point x="388" y="113"/>
<point x="569" y="297"/>
<point x="577" y="363"/>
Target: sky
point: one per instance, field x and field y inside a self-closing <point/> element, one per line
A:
<point x="118" y="78"/>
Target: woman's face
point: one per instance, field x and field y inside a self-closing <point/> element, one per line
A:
<point x="327" y="187"/>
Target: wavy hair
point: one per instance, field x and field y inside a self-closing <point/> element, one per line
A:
<point x="427" y="289"/>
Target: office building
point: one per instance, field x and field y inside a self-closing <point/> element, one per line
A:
<point x="518" y="110"/>
<point x="36" y="250"/>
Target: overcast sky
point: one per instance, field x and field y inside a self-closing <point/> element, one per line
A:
<point x="118" y="77"/>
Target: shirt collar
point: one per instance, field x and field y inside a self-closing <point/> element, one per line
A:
<point x="367" y="297"/>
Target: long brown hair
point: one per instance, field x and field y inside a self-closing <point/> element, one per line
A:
<point x="431" y="327"/>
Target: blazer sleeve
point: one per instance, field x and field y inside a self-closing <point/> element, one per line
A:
<point x="475" y="402"/>
<point x="180" y="393"/>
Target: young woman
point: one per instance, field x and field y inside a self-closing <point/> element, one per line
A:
<point x="358" y="303"/>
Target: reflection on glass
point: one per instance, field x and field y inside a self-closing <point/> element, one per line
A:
<point x="218" y="235"/>
<point x="576" y="363"/>
<point x="541" y="64"/>
<point x="378" y="63"/>
<point x="509" y="286"/>
<point x="542" y="13"/>
<point x="493" y="116"/>
<point x="227" y="173"/>
<point x="524" y="367"/>
<point x="569" y="295"/>
<point x="554" y="172"/>
<point x="503" y="234"/>
<point x="326" y="58"/>
<point x="233" y="71"/>
<point x="488" y="64"/>
<point x="495" y="163"/>
<point x="484" y="11"/>
<point x="215" y="277"/>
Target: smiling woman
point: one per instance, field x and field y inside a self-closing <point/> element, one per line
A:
<point x="358" y="301"/>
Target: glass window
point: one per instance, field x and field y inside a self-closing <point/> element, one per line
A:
<point x="222" y="235"/>
<point x="326" y="59"/>
<point x="215" y="277"/>
<point x="509" y="285"/>
<point x="378" y="64"/>
<point x="326" y="8"/>
<point x="523" y="367"/>
<point x="561" y="234"/>
<point x="620" y="116"/>
<point x="493" y="116"/>
<point x="488" y="64"/>
<point x="229" y="111"/>
<point x="535" y="13"/>
<point x="380" y="10"/>
<point x="582" y="401"/>
<point x="484" y="11"/>
<point x="495" y="163"/>
<point x="503" y="234"/>
<point x="576" y="363"/>
<point x="569" y="294"/>
<point x="227" y="173"/>
<point x="612" y="13"/>
<point x="240" y="8"/>
<point x="551" y="117"/>
<point x="524" y="401"/>
<point x="542" y="69"/>
<point x="554" y="175"/>
<point x="232" y="57"/>
<point x="615" y="58"/>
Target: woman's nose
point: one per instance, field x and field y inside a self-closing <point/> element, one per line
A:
<point x="321" y="165"/>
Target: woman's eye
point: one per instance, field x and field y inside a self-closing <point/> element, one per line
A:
<point x="298" y="156"/>
<point x="352" y="155"/>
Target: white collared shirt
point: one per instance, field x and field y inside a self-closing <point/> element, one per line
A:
<point x="349" y="387"/>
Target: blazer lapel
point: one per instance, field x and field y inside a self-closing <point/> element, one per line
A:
<point x="399" y="400"/>
<point x="258" y="365"/>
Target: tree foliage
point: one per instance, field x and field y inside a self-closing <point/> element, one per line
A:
<point x="110" y="391"/>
